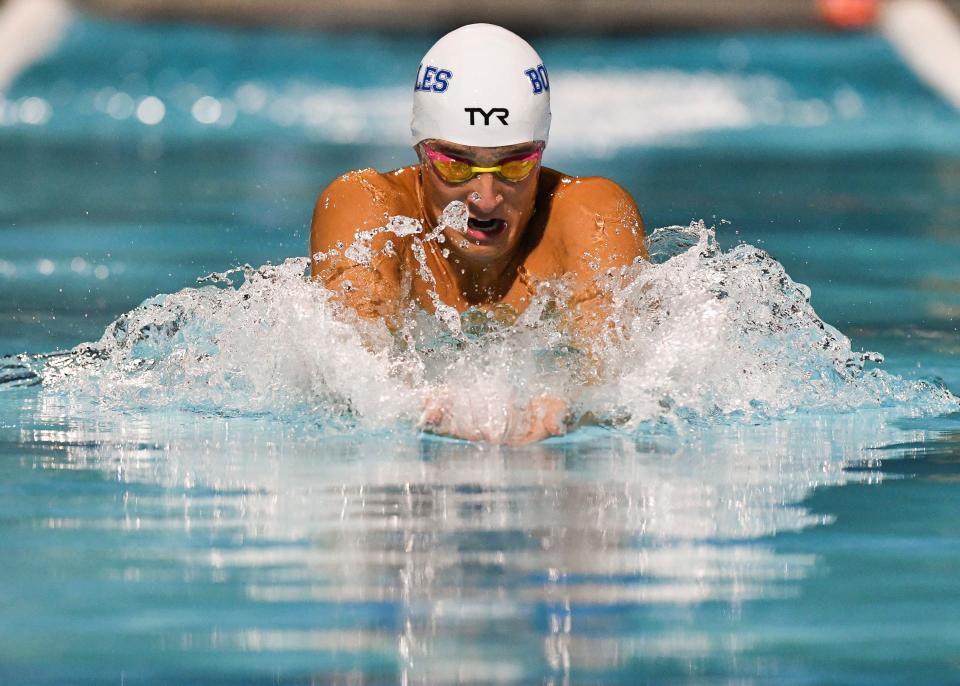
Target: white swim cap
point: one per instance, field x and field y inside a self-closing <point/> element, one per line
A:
<point x="481" y="85"/>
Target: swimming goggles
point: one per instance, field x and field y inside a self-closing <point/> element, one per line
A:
<point x="513" y="169"/>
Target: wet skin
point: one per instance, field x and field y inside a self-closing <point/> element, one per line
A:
<point x="551" y="224"/>
<point x="520" y="234"/>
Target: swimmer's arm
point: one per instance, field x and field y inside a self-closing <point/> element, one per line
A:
<point x="543" y="417"/>
<point x="603" y="237"/>
<point x="350" y="205"/>
<point x="603" y="233"/>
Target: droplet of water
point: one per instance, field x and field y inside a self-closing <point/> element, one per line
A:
<point x="455" y="216"/>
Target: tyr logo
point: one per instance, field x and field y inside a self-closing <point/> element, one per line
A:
<point x="501" y="113"/>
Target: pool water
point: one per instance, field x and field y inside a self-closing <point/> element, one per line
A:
<point x="769" y="514"/>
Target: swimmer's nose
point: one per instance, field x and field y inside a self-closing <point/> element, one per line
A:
<point x="483" y="197"/>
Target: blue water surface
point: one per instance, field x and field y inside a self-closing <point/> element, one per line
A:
<point x="151" y="546"/>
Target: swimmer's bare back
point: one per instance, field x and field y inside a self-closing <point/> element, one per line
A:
<point x="580" y="227"/>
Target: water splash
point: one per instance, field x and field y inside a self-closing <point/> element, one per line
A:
<point x="706" y="343"/>
<point x="455" y="216"/>
<point x="730" y="335"/>
<point x="696" y="335"/>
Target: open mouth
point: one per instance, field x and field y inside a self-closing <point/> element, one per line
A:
<point x="485" y="229"/>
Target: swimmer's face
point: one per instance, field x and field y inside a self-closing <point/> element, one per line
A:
<point x="499" y="209"/>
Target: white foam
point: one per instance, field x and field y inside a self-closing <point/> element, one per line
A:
<point x="699" y="335"/>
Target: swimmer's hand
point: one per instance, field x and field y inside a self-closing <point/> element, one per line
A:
<point x="541" y="418"/>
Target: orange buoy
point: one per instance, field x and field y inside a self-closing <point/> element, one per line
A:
<point x="848" y="14"/>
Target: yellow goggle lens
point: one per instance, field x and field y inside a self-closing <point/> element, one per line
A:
<point x="453" y="170"/>
<point x="517" y="170"/>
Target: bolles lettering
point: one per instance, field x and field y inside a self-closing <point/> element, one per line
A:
<point x="544" y="79"/>
<point x="433" y="79"/>
<point x="442" y="81"/>
<point x="535" y="81"/>
<point x="428" y="75"/>
<point x="538" y="79"/>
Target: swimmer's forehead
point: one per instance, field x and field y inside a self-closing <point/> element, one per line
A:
<point x="477" y="152"/>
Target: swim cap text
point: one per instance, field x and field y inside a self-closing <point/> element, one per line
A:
<point x="434" y="79"/>
<point x="501" y="112"/>
<point x="538" y="79"/>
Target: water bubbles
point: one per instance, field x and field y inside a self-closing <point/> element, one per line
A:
<point x="251" y="97"/>
<point x="102" y="97"/>
<point x="423" y="271"/>
<point x="206" y="110"/>
<point x="455" y="216"/>
<point x="810" y="113"/>
<point x="80" y="266"/>
<point x="35" y="111"/>
<point x="120" y="106"/>
<point x="848" y="103"/>
<point x="361" y="251"/>
<point x="46" y="266"/>
<point x="151" y="110"/>
<point x="318" y="110"/>
<point x="32" y="111"/>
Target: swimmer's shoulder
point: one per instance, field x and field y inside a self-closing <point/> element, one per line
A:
<point x="366" y="190"/>
<point x="593" y="215"/>
<point x="356" y="202"/>
<point x="586" y="195"/>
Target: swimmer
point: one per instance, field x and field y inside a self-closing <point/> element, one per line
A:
<point x="480" y="126"/>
